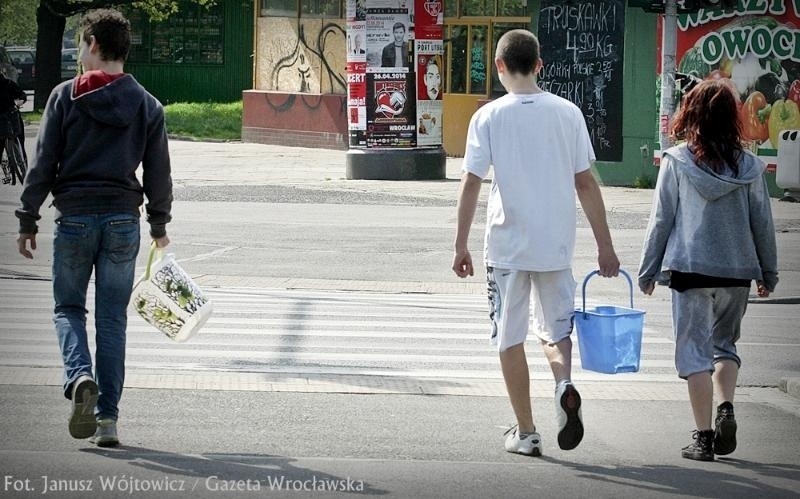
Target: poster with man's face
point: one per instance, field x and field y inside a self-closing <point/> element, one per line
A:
<point x="356" y="41"/>
<point x="388" y="36"/>
<point x="429" y="69"/>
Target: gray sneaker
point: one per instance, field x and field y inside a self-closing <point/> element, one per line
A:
<point x="106" y="434"/>
<point x="84" y="399"/>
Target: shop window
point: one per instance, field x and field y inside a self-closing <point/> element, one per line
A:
<point x="499" y="30"/>
<point x="280" y="8"/>
<point x="458" y="59"/>
<point x="478" y="60"/>
<point x="193" y="35"/>
<point x="450" y="8"/>
<point x="477" y="7"/>
<point x="320" y="8"/>
<point x="140" y="40"/>
<point x="512" y="8"/>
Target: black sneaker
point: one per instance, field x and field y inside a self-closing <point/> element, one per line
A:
<point x="568" y="416"/>
<point x="724" y="430"/>
<point x="702" y="449"/>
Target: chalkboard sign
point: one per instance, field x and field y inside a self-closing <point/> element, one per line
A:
<point x="582" y="46"/>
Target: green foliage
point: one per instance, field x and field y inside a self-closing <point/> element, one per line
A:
<point x="205" y="120"/>
<point x="18" y="17"/>
<point x="18" y="22"/>
<point x="644" y="182"/>
<point x="32" y="117"/>
<point x="158" y="10"/>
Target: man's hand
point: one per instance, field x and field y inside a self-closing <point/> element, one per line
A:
<point x="22" y="244"/>
<point x="462" y="263"/>
<point x="762" y="290"/>
<point x="161" y="242"/>
<point x="608" y="263"/>
<point x="648" y="288"/>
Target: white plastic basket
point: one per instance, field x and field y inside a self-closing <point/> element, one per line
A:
<point x="167" y="298"/>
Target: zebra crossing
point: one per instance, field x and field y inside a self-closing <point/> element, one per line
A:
<point x="276" y="334"/>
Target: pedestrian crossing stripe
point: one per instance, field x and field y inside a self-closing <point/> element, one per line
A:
<point x="309" y="333"/>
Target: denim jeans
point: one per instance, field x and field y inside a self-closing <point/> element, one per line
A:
<point x="107" y="244"/>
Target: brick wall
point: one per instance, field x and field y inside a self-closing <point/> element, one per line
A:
<point x="295" y="138"/>
<point x="294" y="119"/>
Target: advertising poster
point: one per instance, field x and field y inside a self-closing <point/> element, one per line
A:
<point x="429" y="123"/>
<point x="356" y="41"/>
<point x="429" y="73"/>
<point x="429" y="69"/>
<point x="390" y="110"/>
<point x="389" y="35"/>
<point x="357" y="95"/>
<point x="757" y="49"/>
<point x="356" y="10"/>
<point x="357" y="103"/>
<point x="428" y="19"/>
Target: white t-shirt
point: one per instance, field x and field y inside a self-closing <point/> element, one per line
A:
<point x="536" y="144"/>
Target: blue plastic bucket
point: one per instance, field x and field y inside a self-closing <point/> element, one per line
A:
<point x="609" y="337"/>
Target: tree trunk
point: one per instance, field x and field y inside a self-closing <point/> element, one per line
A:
<point x="48" y="54"/>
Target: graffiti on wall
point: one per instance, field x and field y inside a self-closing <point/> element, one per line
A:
<point x="306" y="56"/>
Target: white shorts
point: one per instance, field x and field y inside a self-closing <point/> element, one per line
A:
<point x="509" y="305"/>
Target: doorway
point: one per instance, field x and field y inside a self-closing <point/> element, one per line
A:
<point x="471" y="78"/>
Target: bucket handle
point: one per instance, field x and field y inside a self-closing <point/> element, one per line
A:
<point x="153" y="250"/>
<point x="596" y="272"/>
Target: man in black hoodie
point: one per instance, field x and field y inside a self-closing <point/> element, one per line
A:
<point x="95" y="131"/>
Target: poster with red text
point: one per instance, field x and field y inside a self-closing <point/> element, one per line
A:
<point x="755" y="48"/>
<point x="428" y="19"/>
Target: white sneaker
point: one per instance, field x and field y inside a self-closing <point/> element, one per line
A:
<point x="530" y="445"/>
<point x="568" y="416"/>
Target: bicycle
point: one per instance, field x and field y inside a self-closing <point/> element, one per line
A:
<point x="12" y="160"/>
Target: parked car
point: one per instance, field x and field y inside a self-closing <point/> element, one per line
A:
<point x="24" y="59"/>
<point x="69" y="63"/>
<point x="7" y="67"/>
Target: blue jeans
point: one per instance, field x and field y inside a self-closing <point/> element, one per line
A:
<point x="107" y="244"/>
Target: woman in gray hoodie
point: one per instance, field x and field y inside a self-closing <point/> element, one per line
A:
<point x="710" y="234"/>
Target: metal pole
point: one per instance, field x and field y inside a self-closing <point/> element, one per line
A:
<point x="669" y="37"/>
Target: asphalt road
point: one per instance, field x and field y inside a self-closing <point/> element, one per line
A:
<point x="253" y="231"/>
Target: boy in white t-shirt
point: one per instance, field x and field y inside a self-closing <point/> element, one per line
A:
<point x="541" y="153"/>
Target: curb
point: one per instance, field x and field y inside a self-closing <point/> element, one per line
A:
<point x="779" y="300"/>
<point x="791" y="386"/>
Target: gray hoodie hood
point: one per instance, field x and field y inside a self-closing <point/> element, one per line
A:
<point x="710" y="224"/>
<point x="116" y="103"/>
<point x="713" y="185"/>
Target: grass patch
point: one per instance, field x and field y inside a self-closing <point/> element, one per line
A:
<point x="205" y="120"/>
<point x="32" y="117"/>
<point x="644" y="182"/>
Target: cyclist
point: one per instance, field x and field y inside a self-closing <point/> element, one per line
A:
<point x="10" y="120"/>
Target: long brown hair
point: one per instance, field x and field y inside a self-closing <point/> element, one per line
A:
<point x="708" y="121"/>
